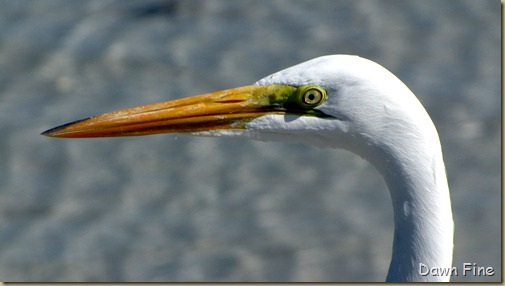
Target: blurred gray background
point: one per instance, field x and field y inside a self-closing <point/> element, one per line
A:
<point x="182" y="208"/>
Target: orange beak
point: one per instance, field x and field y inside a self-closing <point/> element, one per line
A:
<point x="227" y="109"/>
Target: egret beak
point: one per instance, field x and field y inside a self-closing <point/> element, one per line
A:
<point x="227" y="109"/>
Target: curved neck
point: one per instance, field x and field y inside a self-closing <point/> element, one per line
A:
<point x="423" y="237"/>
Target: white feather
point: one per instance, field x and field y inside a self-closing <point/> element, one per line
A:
<point x="377" y="117"/>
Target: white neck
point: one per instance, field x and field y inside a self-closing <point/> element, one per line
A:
<point x="422" y="212"/>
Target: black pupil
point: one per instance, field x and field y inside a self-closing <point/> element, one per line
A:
<point x="311" y="97"/>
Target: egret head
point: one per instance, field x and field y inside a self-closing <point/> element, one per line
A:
<point x="365" y="108"/>
<point x="331" y="101"/>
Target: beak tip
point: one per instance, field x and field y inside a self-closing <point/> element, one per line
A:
<point x="53" y="132"/>
<point x="59" y="131"/>
<point x="49" y="133"/>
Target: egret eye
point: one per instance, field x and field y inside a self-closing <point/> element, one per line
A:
<point x="312" y="97"/>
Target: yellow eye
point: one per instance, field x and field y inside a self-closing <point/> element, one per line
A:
<point x="312" y="97"/>
<point x="306" y="97"/>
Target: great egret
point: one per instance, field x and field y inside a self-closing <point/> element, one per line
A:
<point x="337" y="101"/>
